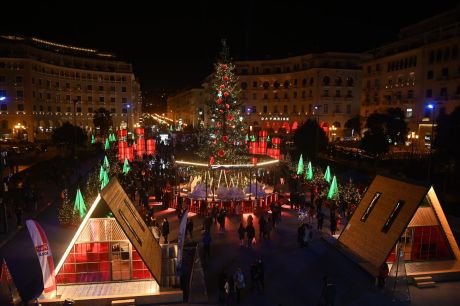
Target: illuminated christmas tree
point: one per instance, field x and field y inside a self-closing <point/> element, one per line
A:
<point x="300" y="166"/>
<point x="309" y="173"/>
<point x="101" y="173"/>
<point x="223" y="142"/>
<point x="126" y="167"/>
<point x="105" y="180"/>
<point x="327" y="175"/>
<point x="66" y="213"/>
<point x="333" y="190"/>
<point x="106" y="164"/>
<point x="79" y="206"/>
<point x="350" y="193"/>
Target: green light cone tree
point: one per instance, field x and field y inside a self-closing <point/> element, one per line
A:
<point x="333" y="190"/>
<point x="107" y="144"/>
<point x="106" y="164"/>
<point x="79" y="206"/>
<point x="126" y="167"/>
<point x="327" y="175"/>
<point x="93" y="141"/>
<point x="105" y="180"/>
<point x="309" y="173"/>
<point x="223" y="141"/>
<point x="101" y="173"/>
<point x="300" y="166"/>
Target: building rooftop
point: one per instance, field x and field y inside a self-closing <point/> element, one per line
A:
<point x="57" y="47"/>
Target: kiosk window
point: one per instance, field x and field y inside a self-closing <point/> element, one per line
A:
<point x="371" y="206"/>
<point x="392" y="217"/>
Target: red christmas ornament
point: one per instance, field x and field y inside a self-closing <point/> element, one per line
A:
<point x="219" y="101"/>
<point x="226" y="78"/>
<point x="227" y="106"/>
<point x="221" y="153"/>
<point x="223" y="66"/>
<point x="230" y="117"/>
<point x="225" y="138"/>
<point x="221" y="111"/>
<point x="222" y="86"/>
<point x="226" y="94"/>
<point x="212" y="160"/>
<point x="219" y="124"/>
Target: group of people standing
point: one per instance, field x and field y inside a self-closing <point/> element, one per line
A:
<point x="231" y="286"/>
<point x="266" y="225"/>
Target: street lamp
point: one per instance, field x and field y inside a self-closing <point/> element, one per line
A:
<point x="75" y="128"/>
<point x="127" y="117"/>
<point x="432" y="108"/>
<point x="317" y="129"/>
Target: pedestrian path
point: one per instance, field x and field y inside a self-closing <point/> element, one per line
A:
<point x="50" y="194"/>
<point x="293" y="275"/>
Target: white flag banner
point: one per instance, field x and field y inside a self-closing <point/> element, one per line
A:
<point x="43" y="250"/>
<point x="181" y="238"/>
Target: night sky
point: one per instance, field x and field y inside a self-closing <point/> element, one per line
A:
<point x="173" y="45"/>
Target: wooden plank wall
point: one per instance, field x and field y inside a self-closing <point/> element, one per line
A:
<point x="366" y="239"/>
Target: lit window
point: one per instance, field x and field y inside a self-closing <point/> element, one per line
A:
<point x="392" y="217"/>
<point x="371" y="206"/>
<point x="409" y="113"/>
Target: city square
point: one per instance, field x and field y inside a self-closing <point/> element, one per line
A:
<point x="232" y="157"/>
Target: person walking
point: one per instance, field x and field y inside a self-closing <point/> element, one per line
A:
<point x="261" y="274"/>
<point x="221" y="219"/>
<point x="165" y="230"/>
<point x="241" y="233"/>
<point x="383" y="274"/>
<point x="251" y="233"/>
<point x="269" y="225"/>
<point x="18" y="211"/>
<point x="320" y="218"/>
<point x="238" y="278"/>
<point x="229" y="290"/>
<point x="189" y="228"/>
<point x="262" y="227"/>
<point x="221" y="284"/>
<point x="327" y="297"/>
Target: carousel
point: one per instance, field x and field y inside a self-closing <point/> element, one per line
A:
<point x="239" y="188"/>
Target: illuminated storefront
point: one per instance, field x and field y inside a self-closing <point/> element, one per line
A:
<point x="102" y="253"/>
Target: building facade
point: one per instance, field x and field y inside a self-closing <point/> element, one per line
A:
<point x="422" y="68"/>
<point x="281" y="94"/>
<point x="188" y="106"/>
<point x="45" y="84"/>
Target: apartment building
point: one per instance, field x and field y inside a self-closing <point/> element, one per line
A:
<point x="281" y="94"/>
<point x="419" y="73"/>
<point x="44" y="84"/>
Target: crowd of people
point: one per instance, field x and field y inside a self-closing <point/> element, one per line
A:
<point x="233" y="285"/>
